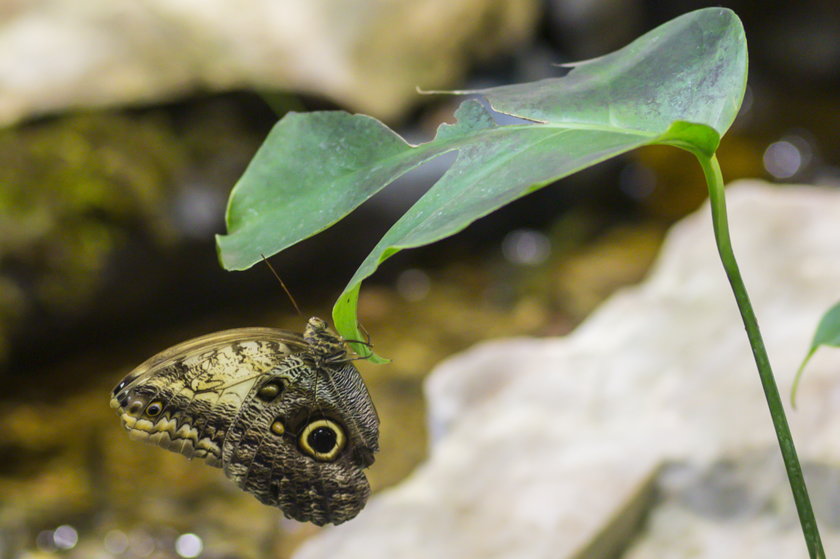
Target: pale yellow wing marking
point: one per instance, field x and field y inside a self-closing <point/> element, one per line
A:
<point x="193" y="351"/>
<point x="221" y="367"/>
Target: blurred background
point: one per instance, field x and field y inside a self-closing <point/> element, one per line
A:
<point x="124" y="125"/>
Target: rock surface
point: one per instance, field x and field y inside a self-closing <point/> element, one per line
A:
<point x="547" y="448"/>
<point x="60" y="54"/>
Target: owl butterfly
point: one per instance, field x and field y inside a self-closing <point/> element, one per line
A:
<point x="286" y="416"/>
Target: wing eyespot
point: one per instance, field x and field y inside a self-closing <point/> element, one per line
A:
<point x="154" y="409"/>
<point x="270" y="390"/>
<point x="323" y="440"/>
<point x="277" y="427"/>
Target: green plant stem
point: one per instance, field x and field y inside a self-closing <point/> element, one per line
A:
<point x="714" y="180"/>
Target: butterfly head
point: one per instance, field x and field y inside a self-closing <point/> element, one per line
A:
<point x="323" y="342"/>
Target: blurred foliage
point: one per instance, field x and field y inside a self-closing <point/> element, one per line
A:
<point x="68" y="188"/>
<point x="74" y="190"/>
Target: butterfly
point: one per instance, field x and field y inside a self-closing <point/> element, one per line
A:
<point x="286" y="416"/>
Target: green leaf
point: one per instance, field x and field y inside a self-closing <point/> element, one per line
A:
<point x="695" y="138"/>
<point x="828" y="333"/>
<point x="692" y="68"/>
<point x="312" y="170"/>
<point x="680" y="84"/>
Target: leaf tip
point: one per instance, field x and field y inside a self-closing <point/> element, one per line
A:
<point x="223" y="254"/>
<point x="374" y="358"/>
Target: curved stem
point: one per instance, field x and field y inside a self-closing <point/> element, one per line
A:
<point x="714" y="180"/>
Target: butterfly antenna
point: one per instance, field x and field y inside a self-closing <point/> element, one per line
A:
<point x="283" y="285"/>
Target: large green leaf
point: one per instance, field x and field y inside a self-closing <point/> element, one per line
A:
<point x="828" y="334"/>
<point x="679" y="84"/>
<point x="692" y="68"/>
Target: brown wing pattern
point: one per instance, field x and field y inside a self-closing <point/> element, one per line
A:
<point x="286" y="416"/>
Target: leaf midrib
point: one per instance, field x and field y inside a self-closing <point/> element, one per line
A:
<point x="486" y="169"/>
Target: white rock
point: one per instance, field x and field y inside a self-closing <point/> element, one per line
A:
<point x="543" y="446"/>
<point x="368" y="55"/>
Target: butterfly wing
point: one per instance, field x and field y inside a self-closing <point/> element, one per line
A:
<point x="185" y="398"/>
<point x="288" y="417"/>
<point x="305" y="448"/>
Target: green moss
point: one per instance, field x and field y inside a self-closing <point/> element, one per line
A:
<point x="69" y="190"/>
